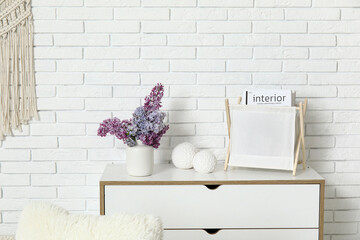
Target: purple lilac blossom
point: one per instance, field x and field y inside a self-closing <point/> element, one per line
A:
<point x="147" y="124"/>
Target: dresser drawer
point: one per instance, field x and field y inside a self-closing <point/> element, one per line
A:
<point x="226" y="206"/>
<point x="256" y="234"/>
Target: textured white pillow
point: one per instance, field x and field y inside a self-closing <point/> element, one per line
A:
<point x="43" y="221"/>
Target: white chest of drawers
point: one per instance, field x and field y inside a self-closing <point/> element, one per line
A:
<point x="238" y="204"/>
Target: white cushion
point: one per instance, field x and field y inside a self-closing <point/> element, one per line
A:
<point x="43" y="221"/>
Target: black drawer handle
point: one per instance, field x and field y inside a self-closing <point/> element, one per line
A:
<point x="212" y="187"/>
<point x="212" y="231"/>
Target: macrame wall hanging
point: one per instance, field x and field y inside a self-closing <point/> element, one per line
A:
<point x="17" y="77"/>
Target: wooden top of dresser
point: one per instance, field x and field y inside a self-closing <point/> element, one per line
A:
<point x="166" y="174"/>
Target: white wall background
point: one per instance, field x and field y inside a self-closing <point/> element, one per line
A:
<point x="99" y="58"/>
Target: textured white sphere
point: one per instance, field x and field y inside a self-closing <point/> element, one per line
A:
<point x="204" y="162"/>
<point x="183" y="154"/>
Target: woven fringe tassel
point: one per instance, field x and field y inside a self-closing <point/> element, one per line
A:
<point x="17" y="79"/>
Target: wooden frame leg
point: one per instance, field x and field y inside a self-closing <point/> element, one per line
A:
<point x="227" y="109"/>
<point x="301" y="139"/>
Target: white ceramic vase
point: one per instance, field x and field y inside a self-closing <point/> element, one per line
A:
<point x="140" y="160"/>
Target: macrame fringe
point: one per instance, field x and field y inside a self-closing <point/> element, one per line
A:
<point x="17" y="76"/>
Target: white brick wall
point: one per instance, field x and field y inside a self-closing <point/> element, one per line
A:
<point x="99" y="58"/>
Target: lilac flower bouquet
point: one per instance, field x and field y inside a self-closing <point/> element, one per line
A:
<point x="147" y="124"/>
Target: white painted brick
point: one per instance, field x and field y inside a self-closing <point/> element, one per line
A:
<point x="80" y="167"/>
<point x="348" y="167"/>
<point x="169" y="3"/>
<point x="45" y="117"/>
<point x="340" y="228"/>
<point x="254" y="66"/>
<point x="78" y="192"/>
<point x="84" y="91"/>
<point x="57" y="129"/>
<point x="226" y="53"/>
<point x="333" y="129"/>
<point x="58" y="154"/>
<point x="348" y="40"/>
<point x="314" y="91"/>
<point x="43" y="40"/>
<point x="84" y="66"/>
<point x="82" y="117"/>
<point x="112" y="3"/>
<point x="342" y="204"/>
<point x="168" y="27"/>
<point x="210" y="104"/>
<point x="111" y="53"/>
<point x="334" y="27"/>
<point x="318" y="116"/>
<point x="349" y="66"/>
<point x="255" y="14"/>
<point x="335" y="104"/>
<point x="14" y="155"/>
<point x="93" y="180"/>
<point x="224" y="78"/>
<point x="29" y="192"/>
<point x="138" y="40"/>
<point x="312" y="14"/>
<point x="338" y="154"/>
<point x="141" y="66"/>
<point x="130" y="91"/>
<point x="197" y="66"/>
<point x="168" y="78"/>
<point x="235" y="91"/>
<point x="225" y="3"/>
<point x="304" y="40"/>
<point x="349" y="91"/>
<point x="333" y="78"/>
<point x="106" y="154"/>
<point x="57" y="53"/>
<point x="112" y="104"/>
<point x="112" y="78"/>
<point x="59" y="3"/>
<point x="112" y="27"/>
<point x="344" y="117"/>
<point x="348" y="141"/>
<point x="44" y="66"/>
<point x="195" y="40"/>
<point x="309" y="66"/>
<point x="28" y="167"/>
<point x="334" y="53"/>
<point x="86" y="142"/>
<point x="8" y="229"/>
<point x="198" y="14"/>
<point x="59" y="78"/>
<point x="181" y="129"/>
<point x="43" y="13"/>
<point x="217" y="129"/>
<point x="84" y="13"/>
<point x="60" y="104"/>
<point x="280" y="53"/>
<point x="13" y="204"/>
<point x="200" y="142"/>
<point x="197" y="91"/>
<point x="57" y="180"/>
<point x="224" y="27"/>
<point x="279" y="27"/>
<point x="56" y="26"/>
<point x="91" y="129"/>
<point x="179" y="104"/>
<point x="81" y="40"/>
<point x="347" y="216"/>
<point x="319" y="142"/>
<point x="195" y="116"/>
<point x="341" y="178"/>
<point x="30" y="142"/>
<point x="347" y="191"/>
<point x="336" y="3"/>
<point x="322" y="166"/>
<point x="11" y="217"/>
<point x="167" y="52"/>
<point x="279" y="78"/>
<point x="282" y="3"/>
<point x="14" y="179"/>
<point x="45" y="91"/>
<point x="252" y="40"/>
<point x="142" y="14"/>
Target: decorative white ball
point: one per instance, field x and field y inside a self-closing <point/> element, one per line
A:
<point x="183" y="154"/>
<point x="204" y="162"/>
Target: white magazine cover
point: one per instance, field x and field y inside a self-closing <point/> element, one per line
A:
<point x="262" y="137"/>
